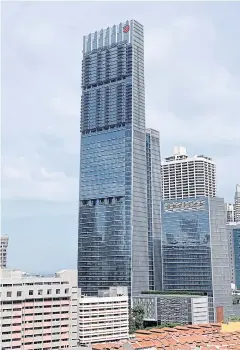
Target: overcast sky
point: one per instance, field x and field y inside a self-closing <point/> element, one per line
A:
<point x="192" y="76"/>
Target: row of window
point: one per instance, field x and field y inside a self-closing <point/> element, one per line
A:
<point x="40" y="292"/>
<point x="36" y="342"/>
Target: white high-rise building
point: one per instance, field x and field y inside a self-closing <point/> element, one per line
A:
<point x="38" y="313"/>
<point x="237" y="203"/>
<point x="3" y="251"/>
<point x="104" y="317"/>
<point x="188" y="177"/>
<point x="230" y="212"/>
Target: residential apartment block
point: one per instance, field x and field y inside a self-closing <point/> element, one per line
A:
<point x="38" y="313"/>
<point x="237" y="203"/>
<point x="104" y="317"/>
<point x="188" y="177"/>
<point x="230" y="212"/>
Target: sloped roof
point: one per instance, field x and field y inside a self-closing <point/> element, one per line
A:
<point x="189" y="337"/>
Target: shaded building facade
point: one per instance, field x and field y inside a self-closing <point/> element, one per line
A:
<point x="153" y="205"/>
<point x="195" y="253"/>
<point x="233" y="230"/>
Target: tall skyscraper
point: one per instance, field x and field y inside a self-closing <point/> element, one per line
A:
<point x="3" y="251"/>
<point x="188" y="177"/>
<point x="154" y="214"/>
<point x="113" y="225"/>
<point x="237" y="203"/>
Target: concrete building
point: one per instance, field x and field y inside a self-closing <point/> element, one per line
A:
<point x="230" y="212"/>
<point x="233" y="230"/>
<point x="38" y="313"/>
<point x="195" y="251"/>
<point x="113" y="223"/>
<point x="175" y="308"/>
<point x="104" y="317"/>
<point x="3" y="251"/>
<point x="237" y="203"/>
<point x="188" y="177"/>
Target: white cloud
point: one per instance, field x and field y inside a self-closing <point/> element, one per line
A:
<point x="32" y="181"/>
<point x="191" y="96"/>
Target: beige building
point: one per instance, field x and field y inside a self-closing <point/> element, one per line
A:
<point x="188" y="177"/>
<point x="104" y="317"/>
<point x="38" y="313"/>
<point x="3" y="251"/>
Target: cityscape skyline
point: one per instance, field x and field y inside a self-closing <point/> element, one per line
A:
<point x="44" y="200"/>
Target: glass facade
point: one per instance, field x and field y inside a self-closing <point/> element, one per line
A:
<point x="112" y="234"/>
<point x="195" y="250"/>
<point x="154" y="214"/>
<point x="236" y="248"/>
<point x="186" y="246"/>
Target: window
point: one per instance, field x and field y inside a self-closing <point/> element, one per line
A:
<point x="9" y="294"/>
<point x="19" y="293"/>
<point x="57" y="291"/>
<point x="40" y="292"/>
<point x="66" y="291"/>
<point x="30" y="292"/>
<point x="49" y="291"/>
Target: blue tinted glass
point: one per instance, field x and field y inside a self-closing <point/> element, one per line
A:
<point x="186" y="247"/>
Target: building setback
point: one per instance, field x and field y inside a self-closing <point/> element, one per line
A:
<point x="113" y="225"/>
<point x="38" y="313"/>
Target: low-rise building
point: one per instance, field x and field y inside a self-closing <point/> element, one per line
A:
<point x="174" y="308"/>
<point x="104" y="317"/>
<point x="38" y="313"/>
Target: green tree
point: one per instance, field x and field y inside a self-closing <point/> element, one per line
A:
<point x="136" y="316"/>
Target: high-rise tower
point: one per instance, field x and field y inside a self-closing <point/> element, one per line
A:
<point x="3" y="251"/>
<point x="113" y="226"/>
<point x="188" y="177"/>
<point x="237" y="203"/>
